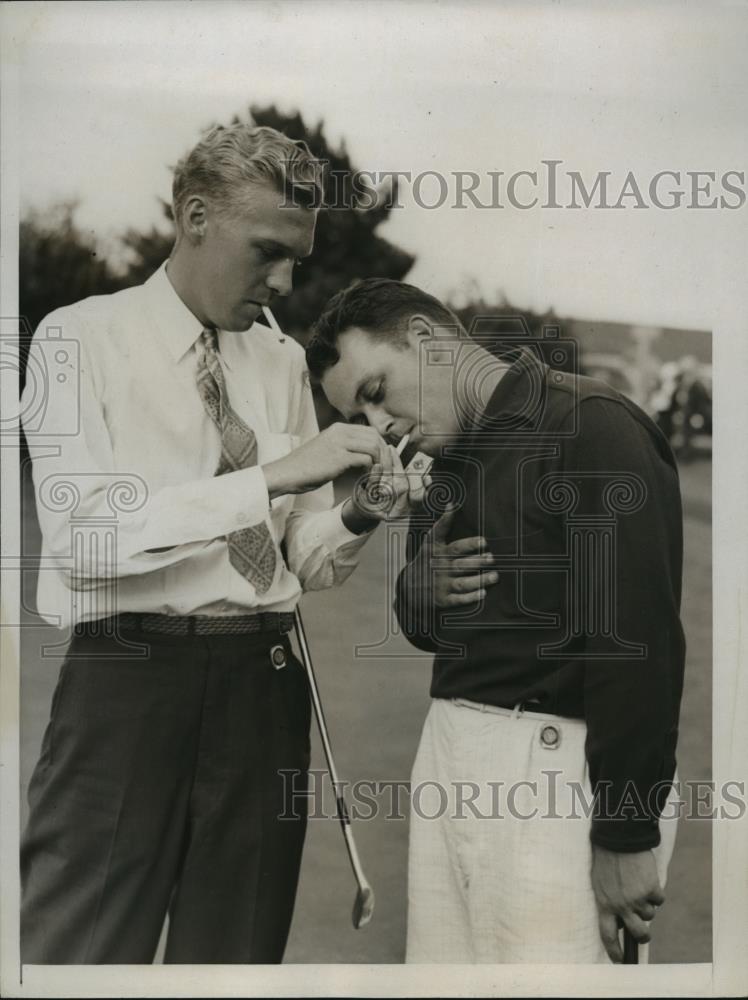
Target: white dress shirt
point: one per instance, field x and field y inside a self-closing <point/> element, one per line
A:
<point x="132" y="515"/>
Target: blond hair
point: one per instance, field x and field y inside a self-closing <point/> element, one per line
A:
<point x="229" y="157"/>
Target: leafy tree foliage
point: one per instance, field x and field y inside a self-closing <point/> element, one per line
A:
<point x="59" y="264"/>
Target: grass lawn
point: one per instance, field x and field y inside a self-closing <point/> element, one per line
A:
<point x="375" y="705"/>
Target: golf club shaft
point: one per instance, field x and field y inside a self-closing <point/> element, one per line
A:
<point x="343" y="816"/>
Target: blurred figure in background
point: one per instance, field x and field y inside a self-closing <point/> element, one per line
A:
<point x="682" y="404"/>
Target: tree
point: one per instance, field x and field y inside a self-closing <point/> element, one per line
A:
<point x="59" y="263"/>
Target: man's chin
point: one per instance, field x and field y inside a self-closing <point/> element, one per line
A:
<point x="242" y="318"/>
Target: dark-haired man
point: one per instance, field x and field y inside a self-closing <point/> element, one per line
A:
<point x="163" y="519"/>
<point x="549" y="593"/>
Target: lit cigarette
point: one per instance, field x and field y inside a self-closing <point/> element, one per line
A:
<point x="403" y="444"/>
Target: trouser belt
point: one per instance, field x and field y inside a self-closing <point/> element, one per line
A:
<point x="519" y="711"/>
<point x="272" y="622"/>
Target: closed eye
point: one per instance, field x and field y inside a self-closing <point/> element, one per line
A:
<point x="370" y="391"/>
<point x="375" y="394"/>
<point x="274" y="251"/>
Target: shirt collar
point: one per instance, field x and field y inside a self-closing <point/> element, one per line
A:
<point x="179" y="326"/>
<point x="517" y="404"/>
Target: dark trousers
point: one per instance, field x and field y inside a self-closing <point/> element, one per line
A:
<point x="160" y="786"/>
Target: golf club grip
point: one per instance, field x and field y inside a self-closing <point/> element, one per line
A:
<point x="630" y="948"/>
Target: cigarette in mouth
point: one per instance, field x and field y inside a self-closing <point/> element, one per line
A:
<point x="271" y="320"/>
<point x="403" y="444"/>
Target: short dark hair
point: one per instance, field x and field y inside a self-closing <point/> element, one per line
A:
<point x="380" y="306"/>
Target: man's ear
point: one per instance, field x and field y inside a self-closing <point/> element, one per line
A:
<point x="422" y="328"/>
<point x="195" y="218"/>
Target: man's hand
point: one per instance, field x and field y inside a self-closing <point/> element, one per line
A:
<point x="449" y="574"/>
<point x="325" y="457"/>
<point x="382" y="493"/>
<point x="626" y="886"/>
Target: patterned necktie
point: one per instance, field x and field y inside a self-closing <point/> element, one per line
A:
<point x="251" y="550"/>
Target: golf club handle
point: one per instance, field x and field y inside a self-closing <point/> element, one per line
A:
<point x="630" y="948"/>
<point x="316" y="700"/>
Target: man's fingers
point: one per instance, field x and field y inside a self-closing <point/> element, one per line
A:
<point x="469" y="564"/>
<point x="441" y="527"/>
<point x="468" y="584"/>
<point x="608" y="925"/>
<point x="638" y="927"/>
<point x="656" y="896"/>
<point x="465" y="546"/>
<point x="456" y="600"/>
<point x="358" y="439"/>
<point x="645" y="910"/>
<point x="361" y="459"/>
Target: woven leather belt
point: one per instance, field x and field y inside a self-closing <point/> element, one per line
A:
<point x="272" y="622"/>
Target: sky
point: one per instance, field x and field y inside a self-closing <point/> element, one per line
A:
<point x="112" y="94"/>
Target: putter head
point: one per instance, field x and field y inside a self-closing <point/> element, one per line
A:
<point x="363" y="906"/>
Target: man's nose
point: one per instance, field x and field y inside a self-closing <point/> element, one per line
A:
<point x="280" y="279"/>
<point x="379" y="419"/>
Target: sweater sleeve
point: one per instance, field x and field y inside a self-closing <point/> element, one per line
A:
<point x="413" y="607"/>
<point x="633" y="665"/>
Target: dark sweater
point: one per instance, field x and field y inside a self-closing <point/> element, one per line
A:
<point x="547" y="437"/>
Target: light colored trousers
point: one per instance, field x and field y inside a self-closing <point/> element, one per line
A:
<point x="500" y="856"/>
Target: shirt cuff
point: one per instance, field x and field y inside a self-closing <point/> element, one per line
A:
<point x="252" y="497"/>
<point x="330" y="531"/>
